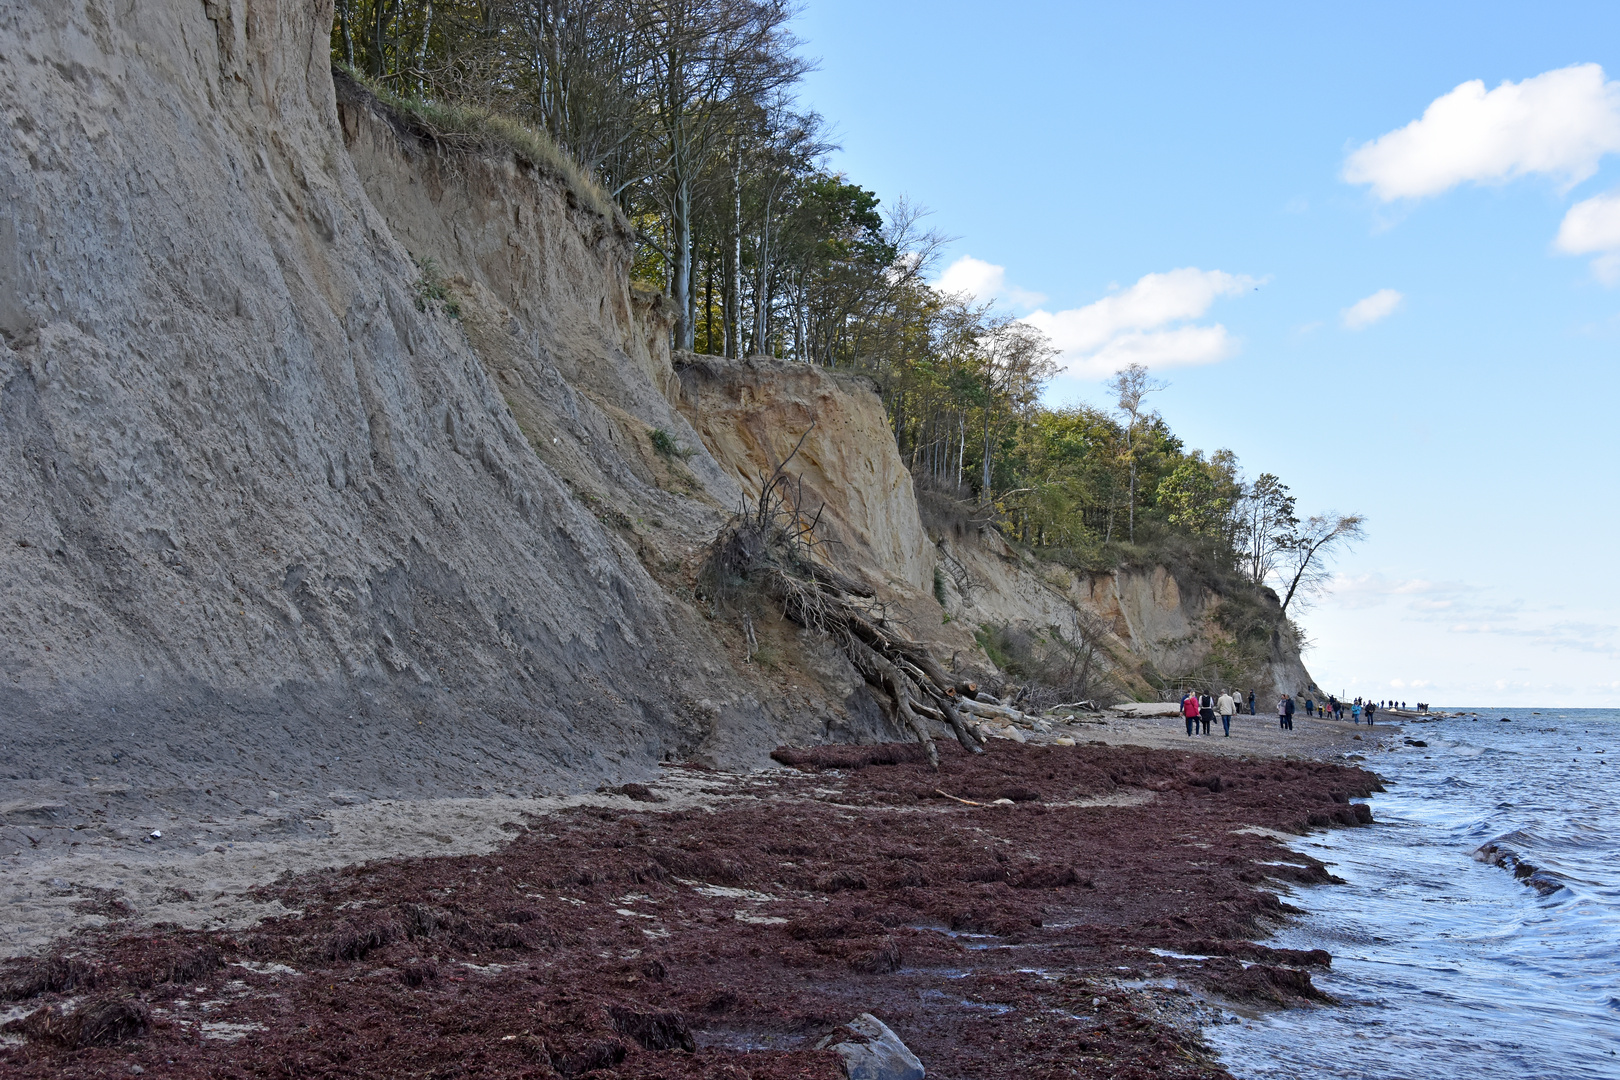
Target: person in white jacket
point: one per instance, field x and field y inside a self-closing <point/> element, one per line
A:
<point x="1226" y="707"/>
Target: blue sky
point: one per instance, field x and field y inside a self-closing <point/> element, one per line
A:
<point x="1216" y="188"/>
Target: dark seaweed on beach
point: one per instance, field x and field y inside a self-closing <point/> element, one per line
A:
<point x="729" y="942"/>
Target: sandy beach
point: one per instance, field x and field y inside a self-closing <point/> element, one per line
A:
<point x="202" y="873"/>
<point x="1083" y="899"/>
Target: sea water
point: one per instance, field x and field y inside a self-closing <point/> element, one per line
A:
<point x="1446" y="966"/>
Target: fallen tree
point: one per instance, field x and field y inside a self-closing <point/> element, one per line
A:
<point x="772" y="547"/>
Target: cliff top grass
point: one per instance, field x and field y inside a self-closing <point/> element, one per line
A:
<point x="474" y="129"/>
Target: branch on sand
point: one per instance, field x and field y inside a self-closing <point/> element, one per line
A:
<point x="773" y="546"/>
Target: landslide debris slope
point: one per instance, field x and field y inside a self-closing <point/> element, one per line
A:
<point x="279" y="514"/>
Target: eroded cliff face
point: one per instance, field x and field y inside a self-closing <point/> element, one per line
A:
<point x="276" y="519"/>
<point x="1159" y="629"/>
<point x="1152" y="625"/>
<point x="272" y="521"/>
<point x="830" y="430"/>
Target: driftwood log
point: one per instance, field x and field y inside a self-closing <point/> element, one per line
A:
<point x="772" y="547"/>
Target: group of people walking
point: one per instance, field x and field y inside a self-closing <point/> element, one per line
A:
<point x="1200" y="710"/>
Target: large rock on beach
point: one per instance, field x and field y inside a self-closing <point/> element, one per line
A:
<point x="877" y="1052"/>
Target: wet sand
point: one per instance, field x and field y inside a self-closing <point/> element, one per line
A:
<point x="730" y="927"/>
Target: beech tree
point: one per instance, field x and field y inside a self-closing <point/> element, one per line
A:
<point x="708" y="60"/>
<point x="575" y="70"/>
<point x="1130" y="386"/>
<point x="1265" y="527"/>
<point x="1018" y="361"/>
<point x="1201" y="497"/>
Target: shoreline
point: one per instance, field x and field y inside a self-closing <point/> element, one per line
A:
<point x="1084" y="922"/>
<point x="87" y="870"/>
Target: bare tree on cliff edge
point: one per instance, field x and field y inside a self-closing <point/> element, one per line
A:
<point x="1305" y="560"/>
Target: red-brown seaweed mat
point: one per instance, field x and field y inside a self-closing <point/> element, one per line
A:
<point x="726" y="942"/>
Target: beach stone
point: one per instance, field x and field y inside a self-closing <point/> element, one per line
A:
<point x="882" y="1056"/>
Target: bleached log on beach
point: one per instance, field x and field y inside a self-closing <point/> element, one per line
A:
<point x="1148" y="708"/>
<point x="996" y="712"/>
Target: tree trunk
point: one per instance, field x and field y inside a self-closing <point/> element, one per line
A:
<point x="985" y="491"/>
<point x="1130" y="507"/>
<point x="680" y="284"/>
<point x="348" y="31"/>
<point x="422" y="50"/>
<point x="379" y="39"/>
<point x="708" y="302"/>
<point x="762" y="299"/>
<point x="734" y="316"/>
<point x="961" y="447"/>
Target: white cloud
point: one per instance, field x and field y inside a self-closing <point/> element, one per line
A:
<point x="1559" y="123"/>
<point x="1462" y="608"/>
<point x="1145" y="324"/>
<point x="984" y="281"/>
<point x="1372" y="590"/>
<point x="1370" y="309"/>
<point x="1592" y="227"/>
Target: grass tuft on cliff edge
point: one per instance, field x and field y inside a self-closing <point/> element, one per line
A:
<point x="473" y="129"/>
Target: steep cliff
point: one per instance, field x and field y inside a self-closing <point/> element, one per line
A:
<point x="273" y="517"/>
<point x="340" y="457"/>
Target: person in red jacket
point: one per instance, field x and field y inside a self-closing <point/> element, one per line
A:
<point x="1189" y="709"/>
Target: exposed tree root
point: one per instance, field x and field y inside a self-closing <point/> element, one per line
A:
<point x="772" y="547"/>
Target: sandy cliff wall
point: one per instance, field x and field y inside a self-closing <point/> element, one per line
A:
<point x="753" y="414"/>
<point x="1161" y="626"/>
<point x="268" y="521"/>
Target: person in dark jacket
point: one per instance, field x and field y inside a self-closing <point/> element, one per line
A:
<point x="1206" y="711"/>
<point x="1251" y="702"/>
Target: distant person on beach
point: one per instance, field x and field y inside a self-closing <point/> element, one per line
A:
<point x="1226" y="706"/>
<point x="1355" y="713"/>
<point x="1310" y="707"/>
<point x="1251" y="702"/>
<point x="1206" y="711"/>
<point x="1370" y="710"/>
<point x="1189" y="709"/>
<point x="1284" y="707"/>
